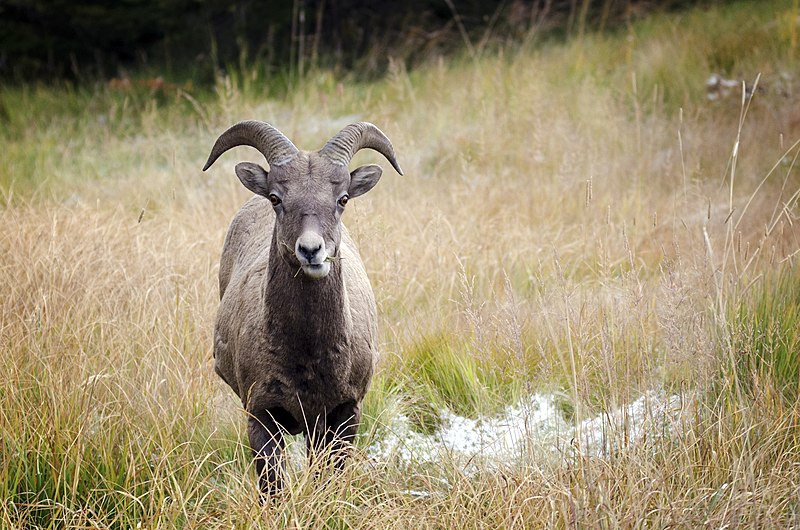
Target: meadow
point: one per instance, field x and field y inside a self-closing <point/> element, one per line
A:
<point x="581" y="222"/>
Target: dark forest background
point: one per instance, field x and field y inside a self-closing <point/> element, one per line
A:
<point x="195" y="39"/>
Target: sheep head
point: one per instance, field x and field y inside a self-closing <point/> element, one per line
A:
<point x="307" y="190"/>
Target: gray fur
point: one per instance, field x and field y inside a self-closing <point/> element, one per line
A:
<point x="296" y="332"/>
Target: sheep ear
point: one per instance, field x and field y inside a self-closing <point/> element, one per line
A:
<point x="253" y="176"/>
<point x="364" y="179"/>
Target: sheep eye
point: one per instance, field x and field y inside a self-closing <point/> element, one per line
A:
<point x="343" y="200"/>
<point x="274" y="199"/>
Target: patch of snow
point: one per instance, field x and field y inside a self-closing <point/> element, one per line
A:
<point x="532" y="426"/>
<point x="653" y="415"/>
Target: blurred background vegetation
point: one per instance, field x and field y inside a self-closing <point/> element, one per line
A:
<point x="195" y="39"/>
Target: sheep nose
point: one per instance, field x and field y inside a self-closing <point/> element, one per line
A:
<point x="309" y="253"/>
<point x="309" y="246"/>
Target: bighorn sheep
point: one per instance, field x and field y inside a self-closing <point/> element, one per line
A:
<point x="296" y="333"/>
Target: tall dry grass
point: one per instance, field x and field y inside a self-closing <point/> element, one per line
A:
<point x="576" y="218"/>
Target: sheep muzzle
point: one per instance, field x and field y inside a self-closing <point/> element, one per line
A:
<point x="310" y="251"/>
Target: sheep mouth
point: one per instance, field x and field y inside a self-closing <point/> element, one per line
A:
<point x="316" y="271"/>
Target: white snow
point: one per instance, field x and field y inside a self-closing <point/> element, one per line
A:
<point x="532" y="426"/>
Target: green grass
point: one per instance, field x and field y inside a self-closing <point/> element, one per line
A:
<point x="766" y="336"/>
<point x="560" y="229"/>
<point x="446" y="375"/>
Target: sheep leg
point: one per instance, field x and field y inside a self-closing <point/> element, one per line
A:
<point x="332" y="436"/>
<point x="266" y="442"/>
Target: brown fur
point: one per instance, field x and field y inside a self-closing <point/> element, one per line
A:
<point x="298" y="351"/>
<point x="283" y="340"/>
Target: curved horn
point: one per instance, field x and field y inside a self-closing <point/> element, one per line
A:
<point x="275" y="147"/>
<point x="347" y="142"/>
